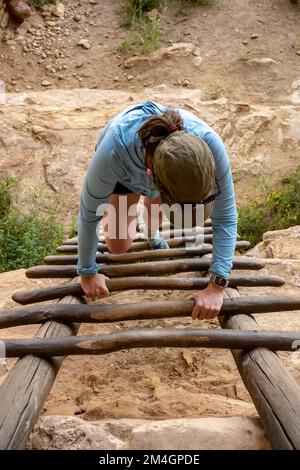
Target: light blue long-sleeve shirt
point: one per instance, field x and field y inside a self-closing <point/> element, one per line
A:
<point x="119" y="157"/>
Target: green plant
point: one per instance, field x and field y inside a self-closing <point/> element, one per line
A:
<point x="146" y="32"/>
<point x="25" y="238"/>
<point x="128" y="44"/>
<point x="40" y="3"/>
<point x="145" y="37"/>
<point x="278" y="210"/>
<point x="244" y="58"/>
<point x="6" y="186"/>
<point x="136" y="8"/>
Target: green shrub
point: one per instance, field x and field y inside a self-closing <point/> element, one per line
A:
<point x="25" y="238"/>
<point x="145" y="37"/>
<point x="136" y="8"/>
<point x="38" y="4"/>
<point x="279" y="210"/>
<point x="6" y="186"/>
<point x="146" y="34"/>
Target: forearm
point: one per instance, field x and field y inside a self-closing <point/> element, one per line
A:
<point x="87" y="248"/>
<point x="224" y="241"/>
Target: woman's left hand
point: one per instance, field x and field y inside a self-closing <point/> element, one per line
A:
<point x="208" y="302"/>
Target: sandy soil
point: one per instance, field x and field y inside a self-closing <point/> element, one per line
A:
<point x="228" y="33"/>
<point x="157" y="383"/>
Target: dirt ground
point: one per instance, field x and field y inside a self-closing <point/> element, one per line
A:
<point x="155" y="383"/>
<point x="228" y="33"/>
<point x="168" y="382"/>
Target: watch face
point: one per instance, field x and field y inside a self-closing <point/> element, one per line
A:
<point x="220" y="281"/>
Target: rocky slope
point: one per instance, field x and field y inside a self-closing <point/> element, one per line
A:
<point x="47" y="138"/>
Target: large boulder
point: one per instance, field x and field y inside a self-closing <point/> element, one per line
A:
<point x="54" y="134"/>
<point x="70" y="433"/>
<point x="283" y="244"/>
<point x="234" y="433"/>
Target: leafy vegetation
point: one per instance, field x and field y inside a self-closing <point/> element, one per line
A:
<point x="26" y="237"/>
<point x="38" y="4"/>
<point x="146" y="31"/>
<point x="278" y="210"/>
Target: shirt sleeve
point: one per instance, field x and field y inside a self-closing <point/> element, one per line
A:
<point x="103" y="172"/>
<point x="224" y="214"/>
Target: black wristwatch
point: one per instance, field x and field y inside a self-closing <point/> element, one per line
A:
<point x="218" y="280"/>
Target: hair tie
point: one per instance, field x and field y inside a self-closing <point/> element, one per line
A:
<point x="172" y="129"/>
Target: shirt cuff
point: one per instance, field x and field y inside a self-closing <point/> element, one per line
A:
<point x="219" y="271"/>
<point x="88" y="271"/>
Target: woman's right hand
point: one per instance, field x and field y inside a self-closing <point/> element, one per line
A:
<point x="94" y="286"/>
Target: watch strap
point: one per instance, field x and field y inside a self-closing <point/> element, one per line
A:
<point x="218" y="280"/>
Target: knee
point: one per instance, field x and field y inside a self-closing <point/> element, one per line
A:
<point x="117" y="250"/>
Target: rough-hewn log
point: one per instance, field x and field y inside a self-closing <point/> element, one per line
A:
<point x="98" y="313"/>
<point x="172" y="233"/>
<point x="142" y="255"/>
<point x="137" y="246"/>
<point x="273" y="390"/>
<point x="26" y="387"/>
<point x="166" y="224"/>
<point x="133" y="256"/>
<point x="147" y="268"/>
<point x="124" y="283"/>
<point x="149" y="338"/>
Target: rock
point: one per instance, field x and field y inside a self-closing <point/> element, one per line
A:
<point x="242" y="108"/>
<point x="84" y="43"/>
<point x="130" y="77"/>
<point x="70" y="433"/>
<point x="152" y="15"/>
<point x="263" y="61"/>
<point x="234" y="433"/>
<point x="260" y="138"/>
<point x="7" y="35"/>
<point x="188" y="357"/>
<point x="254" y="36"/>
<point x="298" y="51"/>
<point x="185" y="82"/>
<point x="93" y="2"/>
<point x="20" y="9"/>
<point x="77" y="18"/>
<point x="36" y="21"/>
<point x="45" y="83"/>
<point x="245" y="42"/>
<point x="284" y="244"/>
<point x="180" y="49"/>
<point x="4" y="20"/>
<point x="196" y="52"/>
<point x="51" y="23"/>
<point x="296" y="85"/>
<point x="197" y="61"/>
<point x="59" y="10"/>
